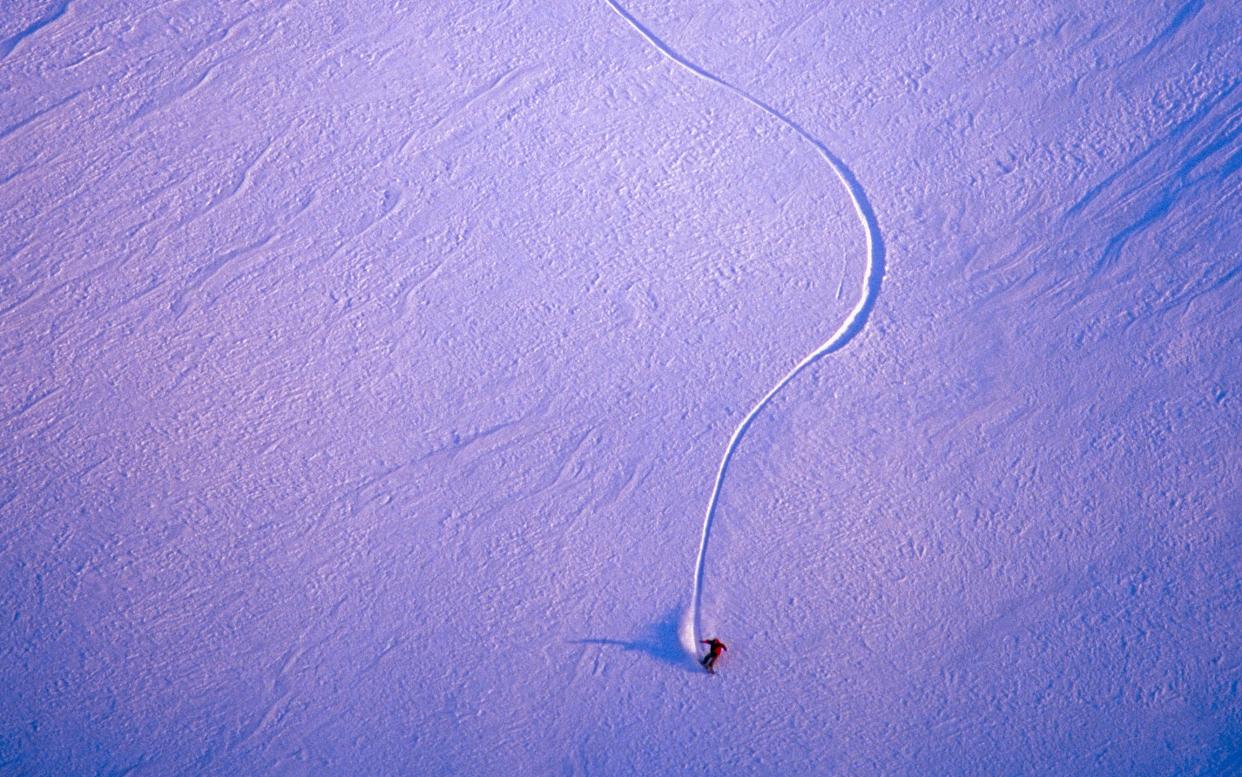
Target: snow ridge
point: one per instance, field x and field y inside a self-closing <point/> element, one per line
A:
<point x="9" y="44"/>
<point x="691" y="625"/>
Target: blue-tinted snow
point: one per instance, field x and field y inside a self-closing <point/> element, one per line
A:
<point x="366" y="369"/>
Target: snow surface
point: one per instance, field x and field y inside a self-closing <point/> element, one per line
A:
<point x="367" y="369"/>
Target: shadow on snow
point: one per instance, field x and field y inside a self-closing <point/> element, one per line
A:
<point x="659" y="641"/>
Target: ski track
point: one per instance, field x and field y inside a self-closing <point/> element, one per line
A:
<point x="691" y="625"/>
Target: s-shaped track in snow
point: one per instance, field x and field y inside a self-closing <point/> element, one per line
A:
<point x="852" y="325"/>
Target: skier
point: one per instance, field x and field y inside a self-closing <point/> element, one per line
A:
<point x="714" y="648"/>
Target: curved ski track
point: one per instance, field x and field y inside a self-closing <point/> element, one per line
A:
<point x="851" y="326"/>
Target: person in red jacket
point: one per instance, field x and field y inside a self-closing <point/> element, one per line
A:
<point x="714" y="649"/>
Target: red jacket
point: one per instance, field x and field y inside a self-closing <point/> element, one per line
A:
<point x="714" y="645"/>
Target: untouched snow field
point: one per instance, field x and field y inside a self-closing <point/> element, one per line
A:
<point x="367" y="369"/>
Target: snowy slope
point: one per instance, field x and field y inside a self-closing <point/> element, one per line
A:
<point x="367" y="369"/>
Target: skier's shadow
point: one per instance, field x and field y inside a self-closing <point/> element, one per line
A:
<point x="659" y="641"/>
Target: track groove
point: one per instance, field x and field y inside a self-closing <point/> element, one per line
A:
<point x="851" y="326"/>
